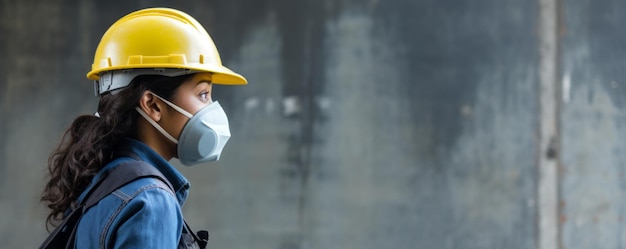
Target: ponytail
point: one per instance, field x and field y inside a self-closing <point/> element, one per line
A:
<point x="88" y="144"/>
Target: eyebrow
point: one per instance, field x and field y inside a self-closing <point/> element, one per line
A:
<point x="204" y="78"/>
<point x="204" y="82"/>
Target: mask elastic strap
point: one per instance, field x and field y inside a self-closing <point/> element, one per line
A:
<point x="157" y="126"/>
<point x="175" y="107"/>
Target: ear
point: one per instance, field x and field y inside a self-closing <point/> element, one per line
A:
<point x="151" y="105"/>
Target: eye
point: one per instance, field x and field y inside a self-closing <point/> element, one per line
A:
<point x="205" y="96"/>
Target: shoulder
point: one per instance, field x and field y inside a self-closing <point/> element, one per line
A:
<point x="149" y="198"/>
<point x="146" y="195"/>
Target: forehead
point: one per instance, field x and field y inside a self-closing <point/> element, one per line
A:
<point x="192" y="83"/>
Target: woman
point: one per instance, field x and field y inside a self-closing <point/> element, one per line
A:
<point x="154" y="70"/>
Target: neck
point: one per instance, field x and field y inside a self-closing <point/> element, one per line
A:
<point x="155" y="140"/>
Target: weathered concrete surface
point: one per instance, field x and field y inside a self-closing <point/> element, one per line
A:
<point x="403" y="124"/>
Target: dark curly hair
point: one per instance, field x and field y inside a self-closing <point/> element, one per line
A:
<point x="88" y="144"/>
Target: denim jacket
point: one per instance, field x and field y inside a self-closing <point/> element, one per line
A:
<point x="142" y="214"/>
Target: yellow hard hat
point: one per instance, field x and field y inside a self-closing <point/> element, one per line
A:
<point x="163" y="39"/>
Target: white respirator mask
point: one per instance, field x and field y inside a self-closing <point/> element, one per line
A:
<point x="203" y="137"/>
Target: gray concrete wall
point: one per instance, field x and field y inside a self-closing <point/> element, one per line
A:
<point x="366" y="124"/>
<point x="594" y="81"/>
